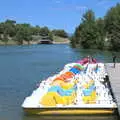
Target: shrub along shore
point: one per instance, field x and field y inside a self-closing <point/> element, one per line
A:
<point x="12" y="33"/>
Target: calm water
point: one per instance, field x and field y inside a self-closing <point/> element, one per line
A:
<point x="22" y="67"/>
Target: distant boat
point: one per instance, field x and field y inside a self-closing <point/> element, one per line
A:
<point x="81" y="87"/>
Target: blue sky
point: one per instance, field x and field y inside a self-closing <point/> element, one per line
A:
<point x="56" y="14"/>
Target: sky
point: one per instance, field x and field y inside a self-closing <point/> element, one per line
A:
<point x="55" y="14"/>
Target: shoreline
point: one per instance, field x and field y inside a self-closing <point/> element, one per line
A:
<point x="33" y="43"/>
<point x="56" y="40"/>
<point x="67" y="42"/>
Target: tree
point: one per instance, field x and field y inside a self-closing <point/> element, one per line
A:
<point x="24" y="32"/>
<point x="4" y="33"/>
<point x="44" y="31"/>
<point x="60" y="33"/>
<point x="10" y="30"/>
<point x="76" y="37"/>
<point x="35" y="30"/>
<point x="5" y="38"/>
<point x="101" y="33"/>
<point x="1" y="28"/>
<point x="112" y="26"/>
<point x="9" y="27"/>
<point x="19" y="37"/>
<point x="85" y="34"/>
<point x="50" y="35"/>
<point x="73" y="41"/>
<point x="19" y="34"/>
<point x="12" y="22"/>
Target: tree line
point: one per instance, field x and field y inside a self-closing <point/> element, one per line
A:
<point x="10" y="30"/>
<point x="100" y="33"/>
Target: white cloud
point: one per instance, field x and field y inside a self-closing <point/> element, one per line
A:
<point x="81" y="8"/>
<point x="57" y="1"/>
<point x="103" y="2"/>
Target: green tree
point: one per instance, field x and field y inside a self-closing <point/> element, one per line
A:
<point x="19" y="37"/>
<point x="35" y="30"/>
<point x="5" y="38"/>
<point x="1" y="28"/>
<point x="44" y="31"/>
<point x="90" y="33"/>
<point x="24" y="32"/>
<point x="9" y="27"/>
<point x="101" y="33"/>
<point x="4" y="33"/>
<point x="73" y="41"/>
<point x="50" y="35"/>
<point x="10" y="30"/>
<point x="85" y="34"/>
<point x="112" y="26"/>
<point x="60" y="33"/>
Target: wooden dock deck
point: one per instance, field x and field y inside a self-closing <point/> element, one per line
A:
<point x="114" y="76"/>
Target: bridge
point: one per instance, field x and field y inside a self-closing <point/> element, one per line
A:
<point x="45" y="40"/>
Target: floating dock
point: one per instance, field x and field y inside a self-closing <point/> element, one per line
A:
<point x="114" y="77"/>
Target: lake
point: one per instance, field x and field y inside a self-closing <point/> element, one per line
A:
<point x="22" y="67"/>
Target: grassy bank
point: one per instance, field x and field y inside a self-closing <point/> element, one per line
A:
<point x="60" y="40"/>
<point x="10" y="42"/>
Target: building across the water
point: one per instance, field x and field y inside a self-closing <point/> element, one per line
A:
<point x="45" y="40"/>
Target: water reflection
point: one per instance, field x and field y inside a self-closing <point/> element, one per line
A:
<point x="22" y="67"/>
